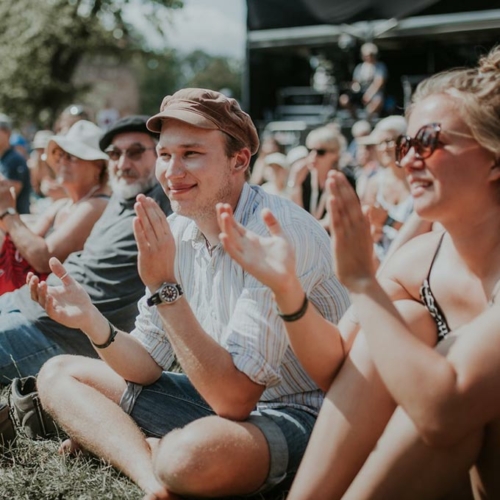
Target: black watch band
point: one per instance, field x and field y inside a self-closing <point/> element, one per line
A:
<point x="168" y="293"/>
<point x="111" y="338"/>
<point x="296" y="315"/>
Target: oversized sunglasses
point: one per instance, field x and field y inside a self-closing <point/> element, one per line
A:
<point x="425" y="142"/>
<point x="133" y="153"/>
<point x="321" y="151"/>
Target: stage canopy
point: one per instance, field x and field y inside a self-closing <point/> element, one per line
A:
<point x="291" y="22"/>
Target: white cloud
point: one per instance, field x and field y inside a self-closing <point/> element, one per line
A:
<point x="216" y="26"/>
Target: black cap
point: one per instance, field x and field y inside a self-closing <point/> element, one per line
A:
<point x="132" y="123"/>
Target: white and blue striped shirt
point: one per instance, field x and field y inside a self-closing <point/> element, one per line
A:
<point x="238" y="311"/>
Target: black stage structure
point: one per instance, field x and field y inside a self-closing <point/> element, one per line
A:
<point x="287" y="39"/>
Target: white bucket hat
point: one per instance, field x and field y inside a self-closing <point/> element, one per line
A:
<point x="81" y="140"/>
<point x="276" y="159"/>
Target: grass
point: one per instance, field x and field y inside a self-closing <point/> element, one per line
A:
<point x="33" y="470"/>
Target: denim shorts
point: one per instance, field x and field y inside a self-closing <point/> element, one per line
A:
<point x="172" y="402"/>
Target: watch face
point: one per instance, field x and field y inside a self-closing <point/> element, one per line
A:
<point x="169" y="293"/>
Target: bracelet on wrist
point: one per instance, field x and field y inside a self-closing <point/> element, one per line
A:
<point x="112" y="334"/>
<point x="296" y="315"/>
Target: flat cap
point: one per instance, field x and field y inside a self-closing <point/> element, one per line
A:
<point x="131" y="123"/>
<point x="210" y="110"/>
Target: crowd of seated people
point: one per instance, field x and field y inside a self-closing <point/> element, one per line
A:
<point x="336" y="324"/>
<point x="368" y="163"/>
<point x="80" y="168"/>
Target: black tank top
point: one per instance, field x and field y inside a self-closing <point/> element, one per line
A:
<point x="430" y="302"/>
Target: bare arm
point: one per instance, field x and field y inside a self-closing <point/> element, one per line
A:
<point x="449" y="399"/>
<point x="376" y="86"/>
<point x="230" y="392"/>
<point x="296" y="178"/>
<point x="69" y="237"/>
<point x="413" y="226"/>
<point x="9" y="183"/>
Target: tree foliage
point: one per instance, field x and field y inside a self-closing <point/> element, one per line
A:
<point x="160" y="74"/>
<point x="203" y="70"/>
<point x="42" y="43"/>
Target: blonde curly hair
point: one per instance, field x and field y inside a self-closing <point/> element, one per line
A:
<point x="478" y="90"/>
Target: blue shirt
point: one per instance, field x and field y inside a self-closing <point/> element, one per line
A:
<point x="13" y="167"/>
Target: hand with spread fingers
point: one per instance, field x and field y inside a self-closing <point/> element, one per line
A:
<point x="68" y="303"/>
<point x="155" y="243"/>
<point x="352" y="243"/>
<point x="270" y="259"/>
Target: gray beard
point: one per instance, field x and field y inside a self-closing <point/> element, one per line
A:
<point x="128" y="191"/>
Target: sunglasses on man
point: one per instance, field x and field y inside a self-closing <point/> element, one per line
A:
<point x="133" y="153"/>
<point x="425" y="142"/>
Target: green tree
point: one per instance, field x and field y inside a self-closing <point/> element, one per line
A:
<point x="158" y="74"/>
<point x="200" y="69"/>
<point x="43" y="42"/>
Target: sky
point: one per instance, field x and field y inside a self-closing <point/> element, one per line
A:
<point x="216" y="26"/>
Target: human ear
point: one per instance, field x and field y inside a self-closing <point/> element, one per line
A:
<point x="242" y="159"/>
<point x="495" y="170"/>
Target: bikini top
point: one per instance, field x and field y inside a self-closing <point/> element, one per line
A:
<point x="430" y="302"/>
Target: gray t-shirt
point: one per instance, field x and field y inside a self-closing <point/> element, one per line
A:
<point x="106" y="268"/>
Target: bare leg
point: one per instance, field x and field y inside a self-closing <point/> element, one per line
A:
<point x="355" y="412"/>
<point x="82" y="395"/>
<point x="213" y="457"/>
<point x="353" y="416"/>
<point x="403" y="466"/>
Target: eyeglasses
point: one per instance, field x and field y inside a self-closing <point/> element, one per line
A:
<point x="59" y="155"/>
<point x="133" y="153"/>
<point x="321" y="151"/>
<point x="425" y="142"/>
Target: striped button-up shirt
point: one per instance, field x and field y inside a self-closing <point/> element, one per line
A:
<point x="238" y="311"/>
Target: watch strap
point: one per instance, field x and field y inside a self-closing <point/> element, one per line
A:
<point x="157" y="297"/>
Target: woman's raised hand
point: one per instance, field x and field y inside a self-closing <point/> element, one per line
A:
<point x="352" y="243"/>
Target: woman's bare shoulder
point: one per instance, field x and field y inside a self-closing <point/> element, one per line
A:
<point x="410" y="264"/>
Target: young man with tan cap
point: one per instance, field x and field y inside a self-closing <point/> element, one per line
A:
<point x="237" y="420"/>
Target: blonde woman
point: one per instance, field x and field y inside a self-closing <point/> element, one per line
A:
<point x="440" y="288"/>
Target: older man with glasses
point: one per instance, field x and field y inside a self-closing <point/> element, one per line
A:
<point x="106" y="268"/>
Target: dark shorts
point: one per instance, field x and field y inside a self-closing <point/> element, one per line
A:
<point x="172" y="402"/>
